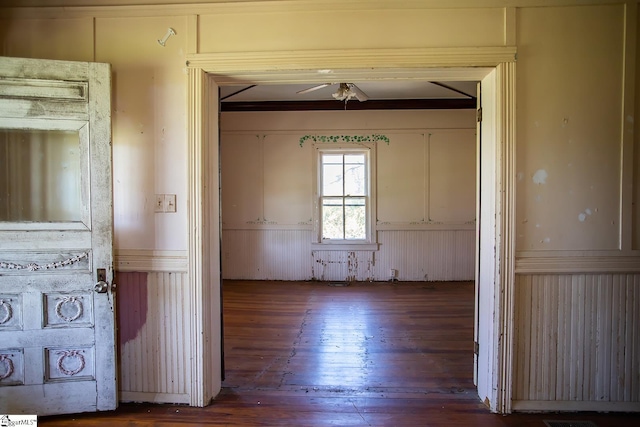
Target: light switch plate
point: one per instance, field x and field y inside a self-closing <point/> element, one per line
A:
<point x="159" y="203"/>
<point x="169" y="202"/>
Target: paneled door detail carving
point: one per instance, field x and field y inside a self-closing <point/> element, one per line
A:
<point x="57" y="335"/>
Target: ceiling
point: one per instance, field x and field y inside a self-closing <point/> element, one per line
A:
<point x="376" y="90"/>
<point x="382" y="95"/>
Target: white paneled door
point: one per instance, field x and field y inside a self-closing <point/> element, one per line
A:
<point x="57" y="335"/>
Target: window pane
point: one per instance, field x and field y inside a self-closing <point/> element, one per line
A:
<point x="332" y="219"/>
<point x="344" y="196"/>
<point x="332" y="183"/>
<point x="41" y="175"/>
<point x="355" y="219"/>
<point x="354" y="159"/>
<point x="335" y="159"/>
<point x="355" y="184"/>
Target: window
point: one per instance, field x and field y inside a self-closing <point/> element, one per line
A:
<point x="344" y="197"/>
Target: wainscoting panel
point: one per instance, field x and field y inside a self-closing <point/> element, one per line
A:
<point x="343" y="265"/>
<point x="153" y="328"/>
<point x="266" y="254"/>
<point x="416" y="255"/>
<point x="577" y="339"/>
<point x="428" y="255"/>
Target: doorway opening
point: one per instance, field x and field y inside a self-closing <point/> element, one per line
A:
<point x="494" y="310"/>
<point x="259" y="146"/>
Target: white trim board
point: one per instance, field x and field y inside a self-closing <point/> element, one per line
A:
<point x="572" y="405"/>
<point x="148" y="397"/>
<point x="204" y="217"/>
<point x="578" y="265"/>
<point x="130" y="260"/>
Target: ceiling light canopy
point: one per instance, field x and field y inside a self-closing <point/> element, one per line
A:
<point x="346" y="91"/>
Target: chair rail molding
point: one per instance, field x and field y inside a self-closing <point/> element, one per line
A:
<point x="578" y="264"/>
<point x="130" y="260"/>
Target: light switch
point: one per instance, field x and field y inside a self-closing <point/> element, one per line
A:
<point x="159" y="203"/>
<point x="169" y="202"/>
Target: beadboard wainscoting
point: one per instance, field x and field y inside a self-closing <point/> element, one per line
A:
<point x="577" y="342"/>
<point x="415" y="255"/>
<point x="153" y="326"/>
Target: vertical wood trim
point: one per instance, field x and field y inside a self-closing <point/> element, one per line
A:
<point x="509" y="26"/>
<point x="193" y="26"/>
<point x="196" y="121"/>
<point x="427" y="176"/>
<point x="262" y="175"/>
<point x="212" y="295"/>
<point x="93" y="36"/>
<point x="627" y="126"/>
<point x="476" y="274"/>
<point x="505" y="239"/>
<point x="204" y="252"/>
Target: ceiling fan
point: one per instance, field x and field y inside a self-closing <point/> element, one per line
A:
<point x="345" y="91"/>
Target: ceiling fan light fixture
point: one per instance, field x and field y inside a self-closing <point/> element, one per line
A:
<point x="344" y="93"/>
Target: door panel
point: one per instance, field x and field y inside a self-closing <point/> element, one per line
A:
<point x="57" y="336"/>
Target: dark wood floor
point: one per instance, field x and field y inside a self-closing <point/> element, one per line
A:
<point x="368" y="354"/>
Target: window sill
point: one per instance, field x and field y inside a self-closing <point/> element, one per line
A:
<point x="344" y="246"/>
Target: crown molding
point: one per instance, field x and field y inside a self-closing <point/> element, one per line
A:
<point x="76" y="8"/>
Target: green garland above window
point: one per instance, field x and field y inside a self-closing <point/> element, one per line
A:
<point x="351" y="139"/>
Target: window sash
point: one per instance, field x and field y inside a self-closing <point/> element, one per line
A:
<point x="344" y="199"/>
<point x="356" y="154"/>
<point x="344" y="218"/>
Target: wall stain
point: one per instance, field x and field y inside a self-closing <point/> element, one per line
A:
<point x="132" y="305"/>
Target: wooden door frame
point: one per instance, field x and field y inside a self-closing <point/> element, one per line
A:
<point x="207" y="71"/>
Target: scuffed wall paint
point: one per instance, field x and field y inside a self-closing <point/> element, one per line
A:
<point x="415" y="255"/>
<point x="569" y="149"/>
<point x="155" y="349"/>
<point x="346" y="266"/>
<point x="132" y="305"/>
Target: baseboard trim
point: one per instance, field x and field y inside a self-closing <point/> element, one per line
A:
<point x="573" y="406"/>
<point x="146" y="397"/>
<point x="130" y="260"/>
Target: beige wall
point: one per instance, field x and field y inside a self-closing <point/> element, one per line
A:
<point x="578" y="155"/>
<point x="149" y="114"/>
<point x="322" y="29"/>
<point x="424" y="183"/>
<point x="569" y="127"/>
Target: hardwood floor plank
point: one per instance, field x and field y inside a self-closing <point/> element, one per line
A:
<point x="368" y="354"/>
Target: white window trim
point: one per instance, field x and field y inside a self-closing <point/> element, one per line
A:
<point x="371" y="243"/>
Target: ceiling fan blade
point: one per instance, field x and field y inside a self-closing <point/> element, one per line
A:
<point x="311" y="89"/>
<point x="359" y="93"/>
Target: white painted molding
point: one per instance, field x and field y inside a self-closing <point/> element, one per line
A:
<point x="626" y="221"/>
<point x="197" y="211"/>
<point x="307" y="62"/>
<point x="147" y="397"/>
<point x="505" y="241"/>
<point x="460" y="226"/>
<point x="573" y="405"/>
<point x="151" y="8"/>
<point x="578" y="264"/>
<point x="128" y="260"/>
